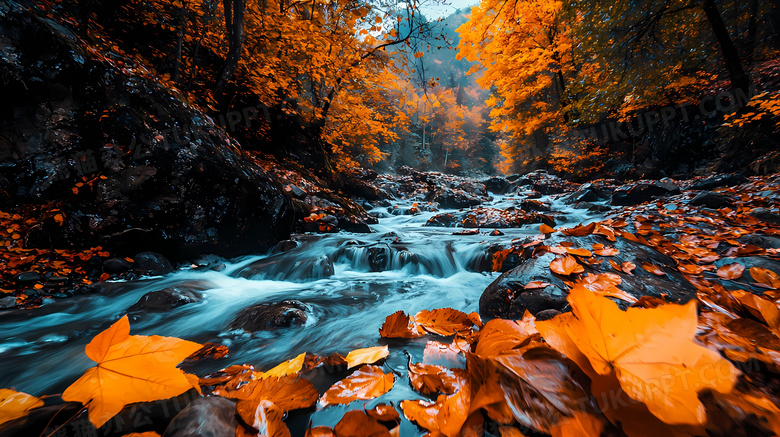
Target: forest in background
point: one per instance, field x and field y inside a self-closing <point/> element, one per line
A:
<point x="585" y="89"/>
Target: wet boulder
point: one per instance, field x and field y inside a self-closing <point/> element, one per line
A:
<point x="165" y="299"/>
<point x="643" y="191"/>
<point x="497" y="184"/>
<point x="271" y="316"/>
<point x="116" y="265"/>
<point x="506" y="298"/>
<point x="212" y="416"/>
<point x="712" y="200"/>
<point x="717" y="181"/>
<point x="152" y="263"/>
<point x="453" y="199"/>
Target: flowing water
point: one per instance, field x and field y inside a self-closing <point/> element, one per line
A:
<point x="42" y="350"/>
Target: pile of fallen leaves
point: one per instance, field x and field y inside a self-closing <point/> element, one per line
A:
<point x="58" y="270"/>
<point x="647" y="371"/>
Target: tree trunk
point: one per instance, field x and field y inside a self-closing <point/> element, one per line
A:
<point x="752" y="29"/>
<point x="234" y="26"/>
<point x="739" y="80"/>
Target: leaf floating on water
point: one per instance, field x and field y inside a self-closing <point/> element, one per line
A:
<point x="356" y="423"/>
<point x="288" y="392"/>
<point x="400" y="325"/>
<point x="289" y="367"/>
<point x="369" y="355"/>
<point x="443" y="321"/>
<point x="14" y="404"/>
<point x="130" y="368"/>
<point x="368" y="382"/>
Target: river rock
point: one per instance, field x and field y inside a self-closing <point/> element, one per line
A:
<point x="497" y="184"/>
<point x="152" y="263"/>
<point x="765" y="215"/>
<point x="453" y="199"/>
<point x="210" y="416"/>
<point x="271" y="316"/>
<point x="712" y="200"/>
<point x="643" y="191"/>
<point x="505" y="296"/>
<point x="116" y="265"/>
<point x="8" y="302"/>
<point x="717" y="181"/>
<point x="165" y="299"/>
<point x="25" y="278"/>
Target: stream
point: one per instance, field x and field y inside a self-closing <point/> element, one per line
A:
<point x="42" y="350"/>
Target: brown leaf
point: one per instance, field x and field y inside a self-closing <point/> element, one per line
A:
<point x="566" y="266"/>
<point x="357" y="424"/>
<point x="368" y="382"/>
<point x="443" y="321"/>
<point x="765" y="277"/>
<point x="400" y="325"/>
<point x="288" y="392"/>
<point x="731" y="271"/>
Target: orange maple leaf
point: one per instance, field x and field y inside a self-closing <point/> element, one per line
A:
<point x="130" y="368"/>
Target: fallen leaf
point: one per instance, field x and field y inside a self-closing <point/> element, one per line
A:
<point x="654" y="269"/>
<point x="369" y="355"/>
<point x="14" y="404"/>
<point x="368" y="382"/>
<point x="431" y="378"/>
<point x="129" y="369"/>
<point x="566" y="266"/>
<point x="289" y="367"/>
<point x="443" y="321"/>
<point x="651" y="352"/>
<point x="731" y="271"/>
<point x="765" y="277"/>
<point x="264" y="416"/>
<point x="356" y="423"/>
<point x="384" y="413"/>
<point x="287" y="392"/>
<point x="500" y="336"/>
<point x="400" y="325"/>
<point x="546" y="229"/>
<point x="579" y="251"/>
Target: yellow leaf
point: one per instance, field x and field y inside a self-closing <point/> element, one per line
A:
<point x="289" y="367"/>
<point x="14" y="404"/>
<point x="369" y="355"/>
<point x="130" y="368"/>
<point x="651" y="352"/>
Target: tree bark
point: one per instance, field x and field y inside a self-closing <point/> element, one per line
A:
<point x="234" y="26"/>
<point x="739" y="80"/>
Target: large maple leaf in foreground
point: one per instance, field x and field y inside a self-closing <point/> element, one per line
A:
<point x="130" y="368"/>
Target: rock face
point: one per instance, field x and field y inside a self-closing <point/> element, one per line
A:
<point x="211" y="416"/>
<point x="270" y="316"/>
<point x="454" y="199"/>
<point x="643" y="191"/>
<point x="506" y="297"/>
<point x="159" y="174"/>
